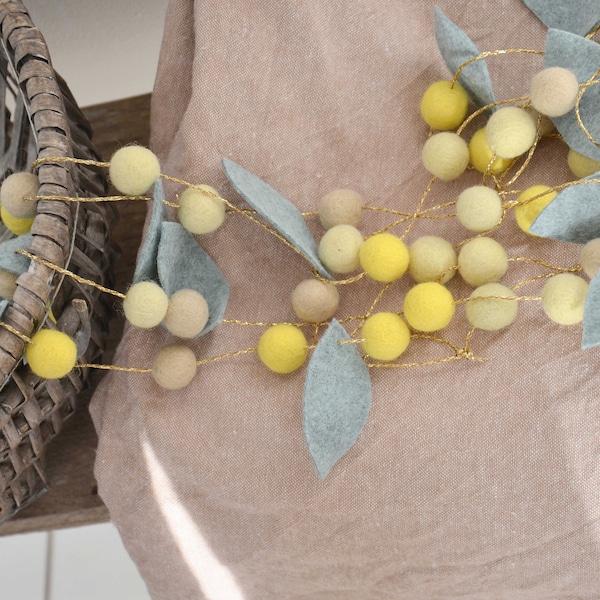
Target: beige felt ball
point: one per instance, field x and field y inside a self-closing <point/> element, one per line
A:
<point x="174" y="367"/>
<point x="445" y="155"/>
<point x="582" y="166"/>
<point x="431" y="259"/>
<point x="340" y="207"/>
<point x="479" y="208"/>
<point x="491" y="307"/>
<point x="145" y="304"/>
<point x="187" y="313"/>
<point x="482" y="260"/>
<point x="589" y="259"/>
<point x="553" y="91"/>
<point x="8" y="284"/>
<point x="510" y="131"/>
<point x="481" y="156"/>
<point x="339" y="248"/>
<point x="563" y="298"/>
<point x="18" y="193"/>
<point x="315" y="301"/>
<point x="444" y="105"/>
<point x="201" y="210"/>
<point x="133" y="170"/>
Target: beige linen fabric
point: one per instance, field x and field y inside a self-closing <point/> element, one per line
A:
<point x="474" y="480"/>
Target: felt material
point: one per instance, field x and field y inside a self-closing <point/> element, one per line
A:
<point x="581" y="166"/>
<point x="11" y="262"/>
<point x="15" y="188"/>
<point x="445" y="155"/>
<point x="589" y="259"/>
<point x="340" y="207"/>
<point x="444" y="105"/>
<point x="277" y="210"/>
<point x="490" y="308"/>
<point x="283" y="348"/>
<point x="337" y="398"/>
<point x="339" y="249"/>
<point x="315" y="301"/>
<point x="428" y="306"/>
<point x="133" y="170"/>
<point x="564" y="297"/>
<point x="145" y="304"/>
<point x="531" y="203"/>
<point x="384" y="257"/>
<point x="479" y="208"/>
<point x="385" y="336"/>
<point x="187" y="314"/>
<point x="510" y="132"/>
<point x="200" y="213"/>
<point x="432" y="258"/>
<point x="482" y="260"/>
<point x="183" y="264"/>
<point x="577" y="17"/>
<point x="591" y="315"/>
<point x="14" y="224"/>
<point x="553" y="91"/>
<point x="51" y="354"/>
<point x="481" y="156"/>
<point x="174" y="367"/>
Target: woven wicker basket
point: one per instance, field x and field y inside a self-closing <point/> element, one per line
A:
<point x="42" y="120"/>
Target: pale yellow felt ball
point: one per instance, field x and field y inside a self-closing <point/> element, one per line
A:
<point x="589" y="258"/>
<point x="384" y="257"/>
<point x="174" y="367"/>
<point x="187" y="313"/>
<point x="481" y="156"/>
<point x="582" y="166"/>
<point x="133" y="170"/>
<point x="432" y="259"/>
<point x="202" y="210"/>
<point x="445" y="155"/>
<point x="428" y="306"/>
<point x="385" y="336"/>
<point x="51" y="354"/>
<point x="444" y="105"/>
<point x="553" y="91"/>
<point x="14" y="224"/>
<point x="479" y="208"/>
<point x="8" y="284"/>
<point x="528" y="209"/>
<point x="315" y="301"/>
<point x="145" y="304"/>
<point x="482" y="260"/>
<point x="283" y="348"/>
<point x="510" y="132"/>
<point x="339" y="248"/>
<point x="340" y="207"/>
<point x="491" y="307"/>
<point x="563" y="298"/>
<point x="18" y="193"/>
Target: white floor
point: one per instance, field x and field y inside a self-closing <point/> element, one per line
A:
<point x="84" y="563"/>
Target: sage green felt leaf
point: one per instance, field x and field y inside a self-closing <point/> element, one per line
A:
<point x="457" y="48"/>
<point x="277" y="210"/>
<point x="11" y="262"/>
<point x="591" y="315"/>
<point x="580" y="16"/>
<point x="183" y="264"/>
<point x="337" y="398"/>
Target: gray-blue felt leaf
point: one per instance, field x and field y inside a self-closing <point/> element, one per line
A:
<point x="146" y="268"/>
<point x="580" y="16"/>
<point x="337" y="398"/>
<point x="277" y="210"/>
<point x="591" y="315"/>
<point x="11" y="262"/>
<point x="582" y="57"/>
<point x="3" y="306"/>
<point x="457" y="48"/>
<point x="183" y="264"/>
<point x="573" y="216"/>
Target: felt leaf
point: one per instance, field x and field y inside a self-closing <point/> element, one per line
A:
<point x="582" y="57"/>
<point x="577" y="17"/>
<point x="337" y="398"/>
<point x="591" y="315"/>
<point x="573" y="216"/>
<point x="277" y="210"/>
<point x="457" y="48"/>
<point x="183" y="264"/>
<point x="146" y="268"/>
<point x="11" y="262"/>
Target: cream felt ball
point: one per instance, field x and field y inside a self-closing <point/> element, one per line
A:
<point x="315" y="301"/>
<point x="444" y="105"/>
<point x="18" y="193"/>
<point x="133" y="170"/>
<point x="385" y="336"/>
<point x="553" y="91"/>
<point x="589" y="258"/>
<point x="8" y="284"/>
<point x="340" y="207"/>
<point x="14" y="224"/>
<point x="283" y="348"/>
<point x="339" y="248"/>
<point x="581" y="166"/>
<point x="51" y="354"/>
<point x="481" y="156"/>
<point x="491" y="307"/>
<point x="563" y="298"/>
<point x="174" y="367"/>
<point x="432" y="259"/>
<point x="201" y="210"/>
<point x="510" y="132"/>
<point x="187" y="313"/>
<point x="531" y="203"/>
<point x="429" y="306"/>
<point x="384" y="257"/>
<point x="482" y="260"/>
<point x="479" y="208"/>
<point x="445" y="155"/>
<point x="145" y="304"/>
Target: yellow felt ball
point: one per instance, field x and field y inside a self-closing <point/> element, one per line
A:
<point x="582" y="166"/>
<point x="553" y="91"/>
<point x="14" y="224"/>
<point x="479" y="208"/>
<point x="428" y="306"/>
<point x="589" y="258"/>
<point x="174" y="367"/>
<point x="315" y="301"/>
<point x="482" y="260"/>
<point x="481" y="155"/>
<point x="145" y="304"/>
<point x="432" y="259"/>
<point x="51" y="354"/>
<point x="444" y="105"/>
<point x="384" y="257"/>
<point x="133" y="170"/>
<point x="201" y="210"/>
<point x="445" y="155"/>
<point x="340" y="207"/>
<point x="385" y="336"/>
<point x="283" y="348"/>
<point x="563" y="298"/>
<point x="187" y="313"/>
<point x="339" y="248"/>
<point x="510" y="132"/>
<point x="8" y="284"/>
<point x="491" y="307"/>
<point x="17" y="194"/>
<point x="527" y="211"/>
